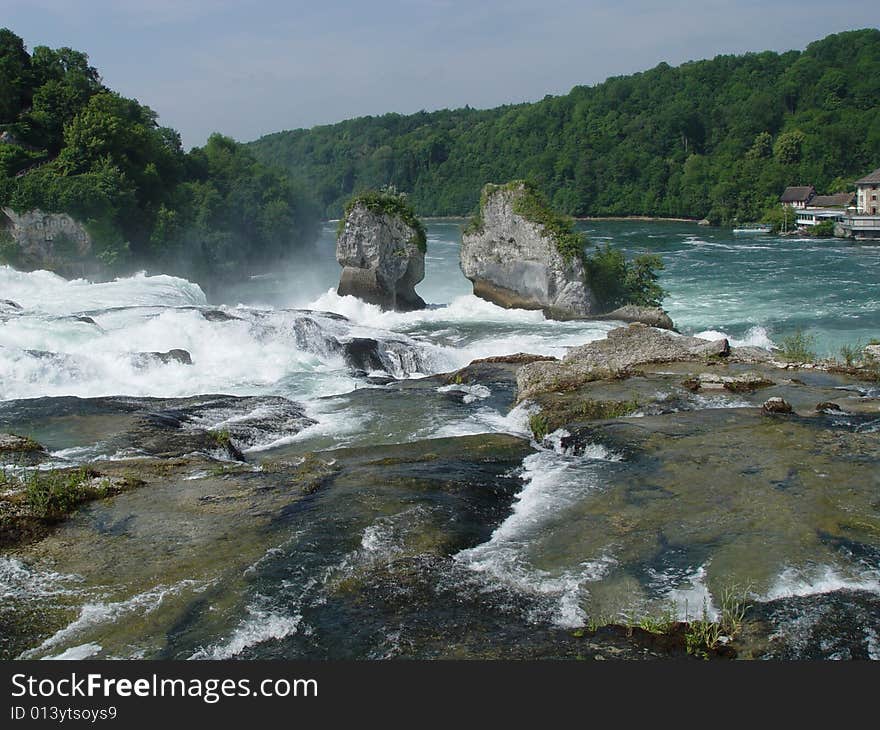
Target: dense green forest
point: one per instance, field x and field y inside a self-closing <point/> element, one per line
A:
<point x="71" y="145"/>
<point x="718" y="138"/>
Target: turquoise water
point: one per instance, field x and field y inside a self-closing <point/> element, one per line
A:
<point x="829" y="288"/>
<point x="755" y="288"/>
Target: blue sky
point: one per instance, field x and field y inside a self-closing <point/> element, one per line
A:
<point x="246" y="69"/>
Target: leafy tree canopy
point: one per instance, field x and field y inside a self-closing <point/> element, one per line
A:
<point x="719" y="138"/>
<point x="74" y="146"/>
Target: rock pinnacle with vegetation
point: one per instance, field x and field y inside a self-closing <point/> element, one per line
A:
<point x="519" y="253"/>
<point x="381" y="247"/>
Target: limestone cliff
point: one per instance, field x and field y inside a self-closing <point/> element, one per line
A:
<point x="516" y="260"/>
<point x="46" y="240"/>
<point x="381" y="250"/>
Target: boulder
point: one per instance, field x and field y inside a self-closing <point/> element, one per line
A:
<point x="381" y="248"/>
<point x="363" y="354"/>
<point x="872" y="351"/>
<point x="828" y="407"/>
<point x="651" y="316"/>
<point x="624" y="348"/>
<point x="52" y="241"/>
<point x="13" y="443"/>
<point x="777" y="405"/>
<point x="20" y="450"/>
<point x="517" y="261"/>
<point x="143" y="359"/>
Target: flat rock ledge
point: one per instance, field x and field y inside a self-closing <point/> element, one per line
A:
<point x="623" y="349"/>
<point x="651" y="316"/>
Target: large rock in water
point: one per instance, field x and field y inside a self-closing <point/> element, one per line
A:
<point x="515" y="262"/>
<point x="382" y="258"/>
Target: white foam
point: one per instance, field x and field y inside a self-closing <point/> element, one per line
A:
<point x="554" y="481"/>
<point x="260" y="626"/>
<point x="472" y="392"/>
<point x="754" y="337"/>
<point x="19" y="581"/>
<point x="793" y="582"/>
<point x="77" y="653"/>
<point x="50" y="293"/>
<point x="483" y="420"/>
<point x="692" y="599"/>
<point x="466" y="308"/>
<point x="93" y="614"/>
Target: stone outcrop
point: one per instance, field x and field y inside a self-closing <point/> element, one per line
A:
<point x="46" y="240"/>
<point x="515" y="262"/>
<point x="651" y="316"/>
<point x="624" y="348"/>
<point x="382" y="258"/>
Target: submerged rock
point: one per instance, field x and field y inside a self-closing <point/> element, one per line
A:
<point x="217" y="315"/>
<point x="517" y="262"/>
<point x="143" y="359"/>
<point x="20" y="450"/>
<point x="777" y="405"/>
<point x="743" y="383"/>
<point x="381" y="248"/>
<point x="624" y="348"/>
<point x="10" y="442"/>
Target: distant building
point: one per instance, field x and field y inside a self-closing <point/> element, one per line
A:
<point x="809" y="217"/>
<point x="867" y="192"/>
<point x="838" y="200"/>
<point x="864" y="223"/>
<point x="798" y="196"/>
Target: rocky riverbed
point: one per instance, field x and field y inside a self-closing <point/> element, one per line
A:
<point x="671" y="486"/>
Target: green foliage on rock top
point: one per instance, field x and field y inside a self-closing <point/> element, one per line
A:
<point x="719" y="139"/>
<point x="74" y="146"/>
<point x="387" y="201"/>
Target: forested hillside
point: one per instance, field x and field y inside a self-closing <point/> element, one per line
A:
<point x="718" y="138"/>
<point x="71" y="145"/>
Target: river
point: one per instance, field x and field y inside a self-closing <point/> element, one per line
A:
<point x="375" y="566"/>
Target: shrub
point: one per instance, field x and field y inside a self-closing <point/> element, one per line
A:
<point x="850" y="354"/>
<point x="616" y="281"/>
<point x="798" y="347"/>
<point x="825" y="229"/>
<point x="53" y="494"/>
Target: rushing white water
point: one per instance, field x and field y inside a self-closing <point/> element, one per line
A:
<point x="554" y="479"/>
